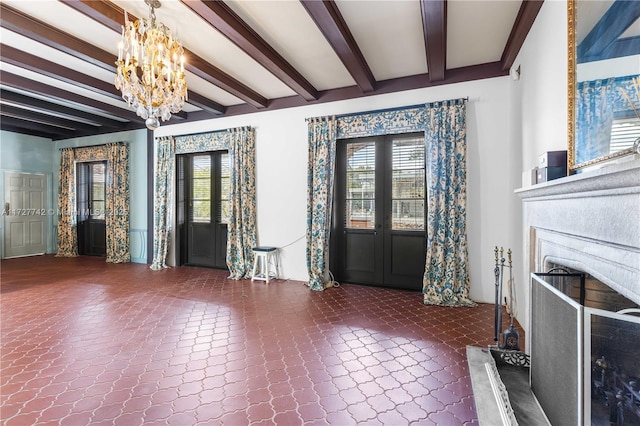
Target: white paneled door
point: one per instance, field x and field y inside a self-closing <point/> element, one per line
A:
<point x="25" y="214"/>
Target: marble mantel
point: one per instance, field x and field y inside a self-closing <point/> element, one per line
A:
<point x="590" y="222"/>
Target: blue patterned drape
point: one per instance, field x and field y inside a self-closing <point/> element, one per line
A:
<point x="322" y="153"/>
<point x="67" y="233"/>
<point x="242" y="232"/>
<point x="117" y="199"/>
<point x="242" y="228"/>
<point x="594" y="117"/>
<point x="597" y="103"/>
<point x="446" y="277"/>
<point x="117" y="203"/>
<point x="165" y="159"/>
<point x="446" y="280"/>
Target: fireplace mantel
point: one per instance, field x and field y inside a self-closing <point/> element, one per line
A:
<point x="588" y="221"/>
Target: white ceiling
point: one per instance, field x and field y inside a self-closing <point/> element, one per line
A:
<point x="389" y="34"/>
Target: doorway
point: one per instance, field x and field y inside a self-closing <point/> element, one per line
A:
<point x="25" y="215"/>
<point x="91" y="180"/>
<point x="379" y="235"/>
<point x="203" y="208"/>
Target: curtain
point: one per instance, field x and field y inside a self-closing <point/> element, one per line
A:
<point x="594" y="117"/>
<point x="117" y="203"/>
<point x="161" y="209"/>
<point x="322" y="152"/>
<point x="242" y="232"/>
<point x="67" y="235"/>
<point x="446" y="277"/>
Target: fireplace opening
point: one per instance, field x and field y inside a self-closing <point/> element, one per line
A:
<point x="601" y="328"/>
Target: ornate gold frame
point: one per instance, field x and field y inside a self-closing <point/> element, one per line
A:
<point x="571" y="83"/>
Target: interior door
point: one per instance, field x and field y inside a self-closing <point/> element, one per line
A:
<point x="25" y="230"/>
<point x="203" y="208"/>
<point x="379" y="235"/>
<point x="90" y="199"/>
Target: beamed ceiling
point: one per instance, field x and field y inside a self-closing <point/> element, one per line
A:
<point x="58" y="57"/>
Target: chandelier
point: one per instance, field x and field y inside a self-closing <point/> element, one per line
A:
<point x="150" y="71"/>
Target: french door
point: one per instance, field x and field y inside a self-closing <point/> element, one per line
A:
<point x="378" y="234"/>
<point x="203" y="208"/>
<point x="91" y="196"/>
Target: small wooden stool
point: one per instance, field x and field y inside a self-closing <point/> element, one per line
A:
<point x="264" y="259"/>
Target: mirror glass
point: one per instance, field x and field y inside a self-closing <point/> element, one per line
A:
<point x="604" y="80"/>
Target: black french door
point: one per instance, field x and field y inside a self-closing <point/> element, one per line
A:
<point x="203" y="206"/>
<point x="91" y="208"/>
<point x="378" y="234"/>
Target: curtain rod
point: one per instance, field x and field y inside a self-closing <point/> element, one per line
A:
<point x="378" y="111"/>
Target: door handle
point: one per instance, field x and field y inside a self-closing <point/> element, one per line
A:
<point x="7" y="209"/>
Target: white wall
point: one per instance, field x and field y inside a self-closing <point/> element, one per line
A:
<point x="281" y="145"/>
<point x="543" y="81"/>
<point x="27" y="154"/>
<point x="539" y="99"/>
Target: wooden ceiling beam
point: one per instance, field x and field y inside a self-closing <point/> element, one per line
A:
<point x="333" y="26"/>
<point x="227" y="22"/>
<point x="54" y="131"/>
<point x="526" y="16"/>
<point x="38" y="117"/>
<point x="112" y="16"/>
<point x="434" y="25"/>
<point x="8" y="97"/>
<point x="22" y="59"/>
<point x="32" y="86"/>
<point x="41" y="32"/>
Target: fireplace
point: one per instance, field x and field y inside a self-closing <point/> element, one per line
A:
<point x="586" y="223"/>
<point x="595" y="352"/>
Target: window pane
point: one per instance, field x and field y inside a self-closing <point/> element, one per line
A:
<point x="361" y="182"/>
<point x="225" y="189"/>
<point x="98" y="178"/>
<point x="360" y="214"/>
<point x="201" y="188"/>
<point x="408" y="184"/>
<point x="408" y="214"/>
<point x="201" y="211"/>
<point x="98" y="210"/>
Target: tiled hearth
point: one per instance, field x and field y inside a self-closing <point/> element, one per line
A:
<point x="85" y="342"/>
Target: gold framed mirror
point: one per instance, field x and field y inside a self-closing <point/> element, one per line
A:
<point x="603" y="81"/>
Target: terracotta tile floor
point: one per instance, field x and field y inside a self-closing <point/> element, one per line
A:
<point x="85" y="342"/>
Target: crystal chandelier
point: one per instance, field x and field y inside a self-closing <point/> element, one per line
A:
<point x="150" y="71"/>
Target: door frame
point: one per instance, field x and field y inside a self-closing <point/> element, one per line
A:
<point x="182" y="230"/>
<point x="381" y="237"/>
<point x="51" y="231"/>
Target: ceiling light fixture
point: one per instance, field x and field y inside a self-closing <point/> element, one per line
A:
<point x="150" y="71"/>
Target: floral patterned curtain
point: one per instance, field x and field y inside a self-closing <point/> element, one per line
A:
<point x="242" y="232"/>
<point x="446" y="277"/>
<point x="165" y="159"/>
<point x="594" y="117"/>
<point x="117" y="203"/>
<point x="67" y="235"/>
<point x="322" y="152"/>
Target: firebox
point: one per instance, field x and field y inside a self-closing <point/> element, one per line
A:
<point x="585" y="350"/>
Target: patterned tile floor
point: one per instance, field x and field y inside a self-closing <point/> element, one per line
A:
<point x="85" y="342"/>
